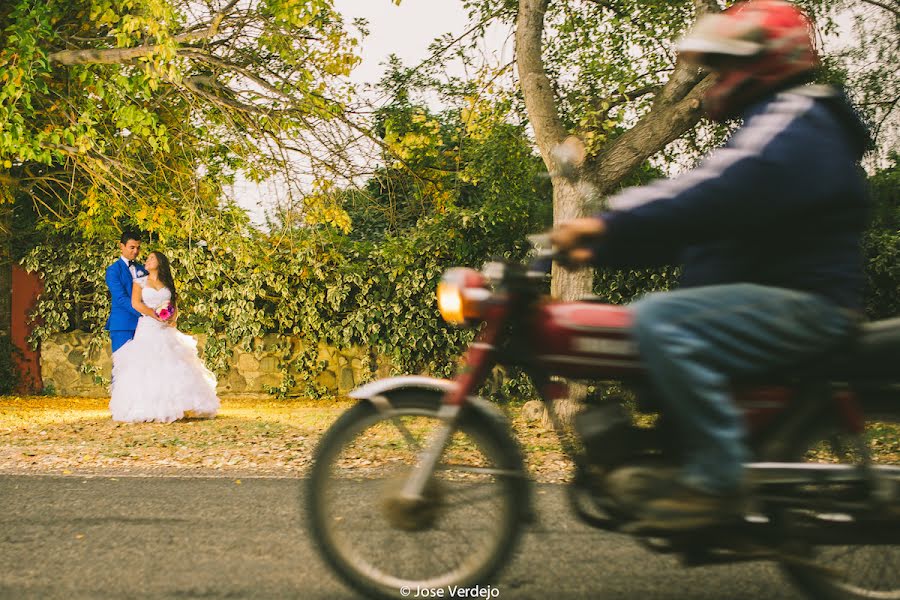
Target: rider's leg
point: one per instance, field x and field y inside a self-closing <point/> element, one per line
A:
<point x="694" y="341"/>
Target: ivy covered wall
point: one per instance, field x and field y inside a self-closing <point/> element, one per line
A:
<point x="253" y="372"/>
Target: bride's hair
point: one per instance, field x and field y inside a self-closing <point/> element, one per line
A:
<point x="165" y="275"/>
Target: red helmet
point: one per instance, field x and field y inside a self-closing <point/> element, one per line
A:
<point x="757" y="47"/>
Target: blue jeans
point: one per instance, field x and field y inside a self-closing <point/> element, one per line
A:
<point x="695" y="341"/>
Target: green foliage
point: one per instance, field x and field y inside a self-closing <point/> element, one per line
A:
<point x="622" y="287"/>
<point x="372" y="287"/>
<point x="125" y="111"/>
<point x="152" y="142"/>
<point x="881" y="244"/>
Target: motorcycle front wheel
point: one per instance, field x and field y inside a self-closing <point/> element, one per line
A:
<point x="460" y="534"/>
<point x="835" y="571"/>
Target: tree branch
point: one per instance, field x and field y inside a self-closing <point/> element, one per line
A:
<point x="113" y="56"/>
<point x="537" y="90"/>
<point x="675" y="110"/>
<point x="615" y="100"/>
<point x="191" y="83"/>
<point x="669" y="118"/>
<point x="895" y="11"/>
<point x="214" y="61"/>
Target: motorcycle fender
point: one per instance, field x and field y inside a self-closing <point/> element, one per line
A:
<point x="378" y="393"/>
<point x="378" y="388"/>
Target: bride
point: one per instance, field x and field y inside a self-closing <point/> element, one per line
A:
<point x="158" y="376"/>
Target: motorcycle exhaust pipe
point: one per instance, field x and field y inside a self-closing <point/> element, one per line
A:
<point x="769" y="473"/>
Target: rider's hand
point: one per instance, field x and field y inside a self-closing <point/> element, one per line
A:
<point x="570" y="238"/>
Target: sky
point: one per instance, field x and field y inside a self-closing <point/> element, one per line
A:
<point x="405" y="30"/>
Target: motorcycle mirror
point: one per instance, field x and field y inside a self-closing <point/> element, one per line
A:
<point x="539" y="241"/>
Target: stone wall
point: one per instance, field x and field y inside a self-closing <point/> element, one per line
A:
<point x="249" y="373"/>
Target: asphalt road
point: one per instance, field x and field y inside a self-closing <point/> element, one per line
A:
<point x="71" y="537"/>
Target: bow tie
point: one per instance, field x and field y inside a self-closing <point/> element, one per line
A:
<point x="130" y="263"/>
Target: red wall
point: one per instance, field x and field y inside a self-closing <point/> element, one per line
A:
<point x="26" y="287"/>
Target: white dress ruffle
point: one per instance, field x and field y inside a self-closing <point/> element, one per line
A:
<point x="158" y="376"/>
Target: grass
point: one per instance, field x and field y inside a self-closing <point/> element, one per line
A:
<point x="57" y="435"/>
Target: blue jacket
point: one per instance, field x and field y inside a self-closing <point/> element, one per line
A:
<point x="782" y="204"/>
<point x="122" y="316"/>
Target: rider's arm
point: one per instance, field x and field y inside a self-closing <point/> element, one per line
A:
<point x="787" y="162"/>
<point x="579" y="239"/>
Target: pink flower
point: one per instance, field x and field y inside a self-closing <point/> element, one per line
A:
<point x="165" y="311"/>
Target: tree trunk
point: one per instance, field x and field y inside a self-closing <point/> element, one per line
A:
<point x="569" y="285"/>
<point x="540" y="102"/>
<point x="5" y="272"/>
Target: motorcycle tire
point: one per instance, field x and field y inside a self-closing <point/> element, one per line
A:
<point x="838" y="573"/>
<point x="388" y="550"/>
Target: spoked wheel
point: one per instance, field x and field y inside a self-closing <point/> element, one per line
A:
<point x="834" y="571"/>
<point x="460" y="533"/>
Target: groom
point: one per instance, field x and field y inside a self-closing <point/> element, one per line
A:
<point x="119" y="279"/>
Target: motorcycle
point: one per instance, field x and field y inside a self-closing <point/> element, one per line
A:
<point x="422" y="485"/>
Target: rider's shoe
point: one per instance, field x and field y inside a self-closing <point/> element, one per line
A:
<point x="682" y="508"/>
<point x="633" y="486"/>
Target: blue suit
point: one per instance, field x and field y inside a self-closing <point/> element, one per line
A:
<point x="123" y="318"/>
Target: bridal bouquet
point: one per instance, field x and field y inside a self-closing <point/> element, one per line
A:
<point x="165" y="311"/>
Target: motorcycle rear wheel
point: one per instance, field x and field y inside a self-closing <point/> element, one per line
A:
<point x="839" y="572"/>
<point x="463" y="533"/>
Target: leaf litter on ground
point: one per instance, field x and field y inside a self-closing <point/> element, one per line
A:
<point x="250" y="436"/>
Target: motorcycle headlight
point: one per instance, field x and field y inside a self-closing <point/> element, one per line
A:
<point x="461" y="295"/>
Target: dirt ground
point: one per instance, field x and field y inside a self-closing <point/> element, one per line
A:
<point x="54" y="435"/>
<point x="249" y="437"/>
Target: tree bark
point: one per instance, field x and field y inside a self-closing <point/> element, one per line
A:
<point x="540" y="102"/>
<point x="5" y="272"/>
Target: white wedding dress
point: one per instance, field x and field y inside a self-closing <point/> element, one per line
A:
<point x="158" y="375"/>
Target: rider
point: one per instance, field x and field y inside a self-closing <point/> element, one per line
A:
<point x="767" y="230"/>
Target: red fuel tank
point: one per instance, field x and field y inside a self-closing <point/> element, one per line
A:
<point x="585" y="340"/>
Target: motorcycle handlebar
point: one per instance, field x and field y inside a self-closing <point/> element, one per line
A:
<point x="545" y="255"/>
